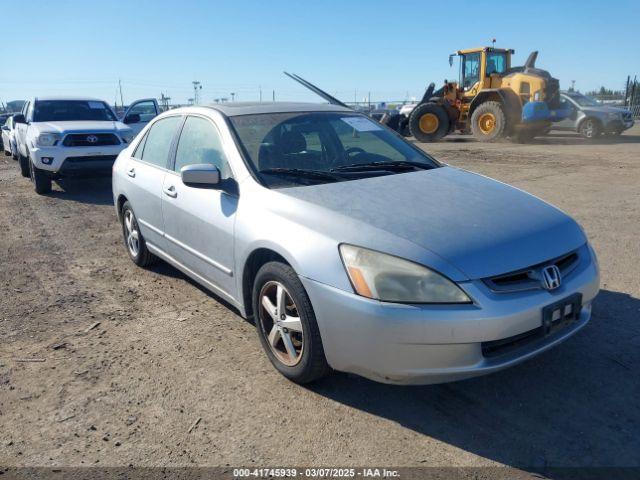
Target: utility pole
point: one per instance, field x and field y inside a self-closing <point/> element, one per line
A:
<point x="164" y="100"/>
<point x="197" y="87"/>
<point x="260" y="88"/>
<point x="273" y="95"/>
<point x="573" y="85"/>
<point x="121" y="96"/>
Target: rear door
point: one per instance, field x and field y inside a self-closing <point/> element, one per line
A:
<point x="140" y="113"/>
<point x="145" y="170"/>
<point x="199" y="222"/>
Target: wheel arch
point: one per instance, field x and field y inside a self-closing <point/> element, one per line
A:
<point x="589" y="117"/>
<point x="120" y="201"/>
<point x="255" y="260"/>
<point x="507" y="98"/>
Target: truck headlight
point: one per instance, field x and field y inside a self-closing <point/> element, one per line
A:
<point x="47" y="139"/>
<point x="392" y="279"/>
<point x="127" y="137"/>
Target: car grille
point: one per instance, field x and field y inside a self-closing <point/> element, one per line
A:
<point x="90" y="139"/>
<point x="529" y="278"/>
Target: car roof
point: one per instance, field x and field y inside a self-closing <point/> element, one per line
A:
<point x="68" y="97"/>
<point x="233" y="109"/>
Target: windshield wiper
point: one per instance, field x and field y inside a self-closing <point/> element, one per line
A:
<point x="390" y="165"/>
<point x="301" y="172"/>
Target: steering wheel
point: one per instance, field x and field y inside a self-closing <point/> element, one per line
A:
<point x="354" y="150"/>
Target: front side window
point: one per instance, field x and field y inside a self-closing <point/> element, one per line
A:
<point x="496" y="63"/>
<point x="583" y="100"/>
<point x="158" y="141"/>
<point x="200" y="143"/>
<point x="470" y="70"/>
<point x="146" y="110"/>
<point x="286" y="149"/>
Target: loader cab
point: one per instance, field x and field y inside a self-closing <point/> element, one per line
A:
<point x="481" y="68"/>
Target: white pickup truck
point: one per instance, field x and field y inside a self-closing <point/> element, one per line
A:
<point x="64" y="136"/>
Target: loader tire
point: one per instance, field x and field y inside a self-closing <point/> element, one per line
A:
<point x="429" y="122"/>
<point x="488" y="122"/>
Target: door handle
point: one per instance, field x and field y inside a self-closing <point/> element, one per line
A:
<point x="170" y="191"/>
<point x="131" y="172"/>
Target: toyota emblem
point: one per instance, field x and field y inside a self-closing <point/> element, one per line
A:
<point x="92" y="139"/>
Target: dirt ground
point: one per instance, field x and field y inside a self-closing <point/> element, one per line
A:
<point x="164" y="353"/>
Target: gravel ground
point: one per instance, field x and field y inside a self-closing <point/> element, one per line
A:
<point x="129" y="359"/>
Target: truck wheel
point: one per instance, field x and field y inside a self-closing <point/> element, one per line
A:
<point x="41" y="181"/>
<point x="429" y="122"/>
<point x="24" y="165"/>
<point x="590" y="128"/>
<point x="286" y="324"/>
<point x="488" y="122"/>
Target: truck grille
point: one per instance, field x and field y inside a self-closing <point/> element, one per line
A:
<point x="90" y="139"/>
<point x="529" y="278"/>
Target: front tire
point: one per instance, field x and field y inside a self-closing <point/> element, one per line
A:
<point x="488" y="122"/>
<point x="24" y="165"/>
<point x="133" y="239"/>
<point x="286" y="324"/>
<point x="590" y="128"/>
<point x="429" y="122"/>
<point x="41" y="182"/>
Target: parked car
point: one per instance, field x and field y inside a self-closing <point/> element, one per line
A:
<point x="64" y="136"/>
<point x="590" y="119"/>
<point x="351" y="248"/>
<point x="8" y="138"/>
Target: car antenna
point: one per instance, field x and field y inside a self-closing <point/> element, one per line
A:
<point x="316" y="90"/>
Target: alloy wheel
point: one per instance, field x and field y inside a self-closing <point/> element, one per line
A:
<point x="281" y="324"/>
<point x="132" y="235"/>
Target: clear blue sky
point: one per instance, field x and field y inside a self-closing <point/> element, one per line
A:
<point x="392" y="49"/>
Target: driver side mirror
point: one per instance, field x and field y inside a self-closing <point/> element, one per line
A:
<point x="203" y="175"/>
<point x="19" y="118"/>
<point x="132" y="118"/>
<point x="5" y="128"/>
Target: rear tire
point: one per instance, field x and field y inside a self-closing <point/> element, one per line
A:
<point x="133" y="239"/>
<point x="488" y="122"/>
<point x="590" y="128"/>
<point x="41" y="182"/>
<point x="306" y="363"/>
<point x="429" y="122"/>
<point x="24" y="165"/>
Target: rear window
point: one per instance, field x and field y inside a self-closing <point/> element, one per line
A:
<point x="71" y="110"/>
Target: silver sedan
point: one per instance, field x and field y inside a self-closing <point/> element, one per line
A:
<point x="349" y="247"/>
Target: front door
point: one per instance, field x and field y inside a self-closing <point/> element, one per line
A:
<point x="199" y="222"/>
<point x="140" y="113"/>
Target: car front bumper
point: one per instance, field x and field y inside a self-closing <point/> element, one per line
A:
<point x="75" y="161"/>
<point x="619" y="125"/>
<point x="423" y="344"/>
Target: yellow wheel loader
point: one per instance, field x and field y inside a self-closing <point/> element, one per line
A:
<point x="491" y="100"/>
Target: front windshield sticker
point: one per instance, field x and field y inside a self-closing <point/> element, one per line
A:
<point x="96" y="105"/>
<point x="361" y="124"/>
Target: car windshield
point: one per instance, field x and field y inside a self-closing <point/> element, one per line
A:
<point x="71" y="110"/>
<point x="583" y="100"/>
<point x="287" y="149"/>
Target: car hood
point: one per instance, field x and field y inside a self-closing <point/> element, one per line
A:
<point x="81" y="126"/>
<point x="480" y="226"/>
<point x="604" y="109"/>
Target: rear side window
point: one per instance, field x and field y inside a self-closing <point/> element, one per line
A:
<point x="158" y="141"/>
<point x="200" y="143"/>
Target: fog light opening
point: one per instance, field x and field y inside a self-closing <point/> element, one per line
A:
<point x="47" y="160"/>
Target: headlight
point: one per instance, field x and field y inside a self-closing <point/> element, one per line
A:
<point x="391" y="279"/>
<point x="536" y="96"/>
<point x="47" y="139"/>
<point x="127" y="137"/>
